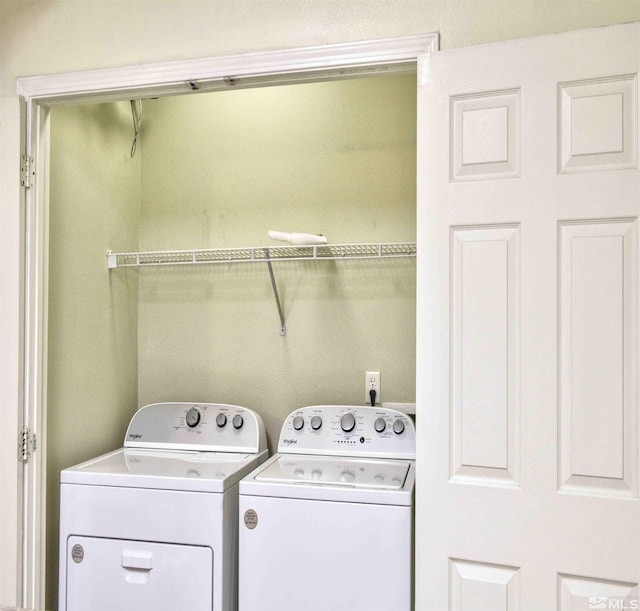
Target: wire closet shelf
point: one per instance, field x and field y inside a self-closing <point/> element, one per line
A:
<point x="262" y="254"/>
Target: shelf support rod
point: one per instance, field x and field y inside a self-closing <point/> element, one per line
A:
<point x="283" y="328"/>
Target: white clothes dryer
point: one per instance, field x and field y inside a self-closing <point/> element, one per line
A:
<point x="326" y="524"/>
<point x="153" y="526"/>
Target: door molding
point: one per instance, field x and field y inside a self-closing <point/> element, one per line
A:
<point x="37" y="95"/>
<point x="228" y="71"/>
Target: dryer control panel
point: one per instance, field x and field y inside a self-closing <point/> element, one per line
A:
<point x="347" y="430"/>
<point x="203" y="427"/>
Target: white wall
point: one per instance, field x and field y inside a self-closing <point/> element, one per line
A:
<point x="46" y="36"/>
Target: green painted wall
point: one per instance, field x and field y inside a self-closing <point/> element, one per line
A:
<point x="220" y="170"/>
<point x="92" y="341"/>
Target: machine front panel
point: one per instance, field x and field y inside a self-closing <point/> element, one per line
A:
<point x="109" y="574"/>
<point x="323" y="555"/>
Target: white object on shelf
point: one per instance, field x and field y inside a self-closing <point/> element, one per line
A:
<point x="298" y="239"/>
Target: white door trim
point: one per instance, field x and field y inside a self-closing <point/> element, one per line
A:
<point x="248" y="69"/>
<point x="38" y="94"/>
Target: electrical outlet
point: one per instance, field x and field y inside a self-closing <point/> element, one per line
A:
<point x="372" y="382"/>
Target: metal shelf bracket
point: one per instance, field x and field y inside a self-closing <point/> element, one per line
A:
<point x="274" y="286"/>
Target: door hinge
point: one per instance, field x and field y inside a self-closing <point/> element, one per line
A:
<point x="26" y="444"/>
<point x="27" y="171"/>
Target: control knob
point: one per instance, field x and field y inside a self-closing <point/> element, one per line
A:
<point x="193" y="417"/>
<point x="398" y="426"/>
<point x="298" y="422"/>
<point x="347" y="422"/>
<point x="347" y="476"/>
<point x="221" y="420"/>
<point x="316" y="422"/>
<point x="380" y="425"/>
<point x="238" y="421"/>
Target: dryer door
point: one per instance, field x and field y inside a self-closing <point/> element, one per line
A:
<point x="108" y="574"/>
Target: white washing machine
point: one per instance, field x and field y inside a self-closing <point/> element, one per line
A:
<point x="153" y="526"/>
<point x="326" y="524"/>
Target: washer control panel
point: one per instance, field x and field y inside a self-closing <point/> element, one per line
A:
<point x="210" y="427"/>
<point x="347" y="430"/>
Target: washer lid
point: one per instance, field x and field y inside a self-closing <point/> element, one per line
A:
<point x="333" y="478"/>
<point x="165" y="470"/>
<point x="347" y="472"/>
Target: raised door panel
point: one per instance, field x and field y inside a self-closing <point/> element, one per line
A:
<point x="598" y="274"/>
<point x="598" y="124"/>
<point x="577" y="593"/>
<point x="485" y="410"/>
<point x="476" y="586"/>
<point x="485" y="135"/>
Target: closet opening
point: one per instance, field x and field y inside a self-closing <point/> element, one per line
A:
<point x="215" y="168"/>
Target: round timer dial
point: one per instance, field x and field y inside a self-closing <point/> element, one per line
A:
<point x="193" y="417"/>
<point x="398" y="426"/>
<point x="348" y="422"/>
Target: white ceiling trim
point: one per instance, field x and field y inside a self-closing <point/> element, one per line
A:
<point x="267" y="67"/>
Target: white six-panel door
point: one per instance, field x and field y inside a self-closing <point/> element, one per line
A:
<point x="527" y="491"/>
